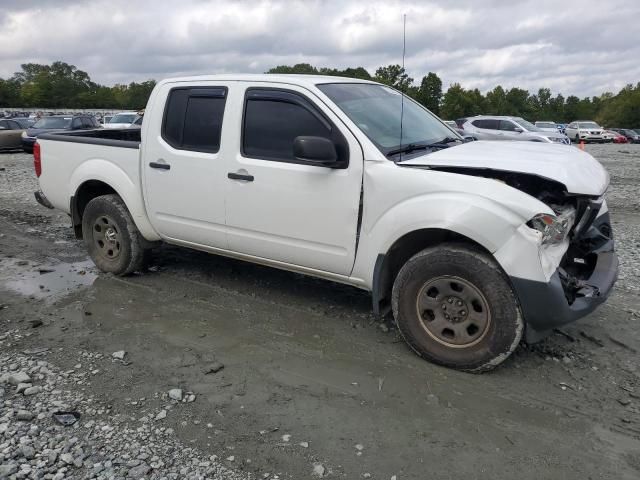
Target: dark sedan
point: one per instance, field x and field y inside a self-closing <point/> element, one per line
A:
<point x="632" y="135"/>
<point x="57" y="123"/>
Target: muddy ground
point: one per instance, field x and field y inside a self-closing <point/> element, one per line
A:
<point x="310" y="377"/>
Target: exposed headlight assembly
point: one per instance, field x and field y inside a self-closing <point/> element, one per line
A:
<point x="554" y="228"/>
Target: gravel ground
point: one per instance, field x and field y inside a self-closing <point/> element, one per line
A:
<point x="101" y="446"/>
<point x="284" y="376"/>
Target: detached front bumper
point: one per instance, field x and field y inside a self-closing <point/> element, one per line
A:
<point x="575" y="289"/>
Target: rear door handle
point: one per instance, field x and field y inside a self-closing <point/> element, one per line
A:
<point x="240" y="176"/>
<point x="161" y="166"/>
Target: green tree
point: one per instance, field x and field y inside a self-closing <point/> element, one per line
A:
<point x="572" y="108"/>
<point x="456" y="103"/>
<point x="518" y="102"/>
<point x="429" y="93"/>
<point x="298" y="68"/>
<point x="9" y="93"/>
<point x="497" y="101"/>
<point x="394" y="76"/>
<point x="556" y="109"/>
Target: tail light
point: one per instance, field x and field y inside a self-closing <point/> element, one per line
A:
<point x="37" y="163"/>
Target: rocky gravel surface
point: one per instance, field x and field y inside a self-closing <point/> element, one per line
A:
<point x="99" y="444"/>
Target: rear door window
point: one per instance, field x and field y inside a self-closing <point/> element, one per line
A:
<point x="193" y="118"/>
<point x="487" y="124"/>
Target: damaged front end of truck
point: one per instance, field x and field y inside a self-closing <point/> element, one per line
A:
<point x="576" y="252"/>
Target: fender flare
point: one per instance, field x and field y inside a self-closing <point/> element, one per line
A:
<point x="110" y="174"/>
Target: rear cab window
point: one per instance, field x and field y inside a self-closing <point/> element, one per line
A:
<point x="193" y="118"/>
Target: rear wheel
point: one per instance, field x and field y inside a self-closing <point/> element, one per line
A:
<point x="455" y="307"/>
<point x="114" y="243"/>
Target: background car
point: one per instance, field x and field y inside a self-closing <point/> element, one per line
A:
<point x="608" y="136"/>
<point x="122" y="120"/>
<point x="631" y="135"/>
<point x="137" y="122"/>
<point x="56" y="123"/>
<point x="25" y="122"/>
<point x="547" y="126"/>
<point x="10" y="135"/>
<point x="485" y="127"/>
<point x="465" y="135"/>
<point x="584" y="131"/>
<point x="617" y="137"/>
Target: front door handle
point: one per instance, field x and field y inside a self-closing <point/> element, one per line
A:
<point x="161" y="166"/>
<point x="240" y="176"/>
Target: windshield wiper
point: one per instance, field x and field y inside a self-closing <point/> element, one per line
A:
<point x="412" y="147"/>
<point x="444" y="143"/>
<point x="409" y="147"/>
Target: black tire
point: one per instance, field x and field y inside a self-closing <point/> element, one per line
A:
<point x="114" y="243"/>
<point x="480" y="285"/>
<point x="577" y="138"/>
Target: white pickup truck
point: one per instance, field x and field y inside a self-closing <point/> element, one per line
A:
<point x="471" y="244"/>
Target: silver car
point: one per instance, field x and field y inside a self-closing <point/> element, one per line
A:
<point x="488" y="127"/>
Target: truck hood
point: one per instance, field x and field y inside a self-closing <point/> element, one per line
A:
<point x="578" y="171"/>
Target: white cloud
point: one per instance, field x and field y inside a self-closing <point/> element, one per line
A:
<point x="579" y="47"/>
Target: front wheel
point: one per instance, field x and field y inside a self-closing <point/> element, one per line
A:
<point x="455" y="307"/>
<point x="114" y="243"/>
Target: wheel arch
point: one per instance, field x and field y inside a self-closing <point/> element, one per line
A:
<point x="100" y="177"/>
<point x="388" y="264"/>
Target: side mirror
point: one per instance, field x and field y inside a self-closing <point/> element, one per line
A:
<point x="468" y="138"/>
<point x="315" y="150"/>
<point x="518" y="130"/>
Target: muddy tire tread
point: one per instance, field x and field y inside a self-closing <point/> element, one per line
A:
<point x="137" y="254"/>
<point x="457" y="255"/>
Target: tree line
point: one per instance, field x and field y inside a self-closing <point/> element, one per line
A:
<point x="612" y="110"/>
<point x="61" y="85"/>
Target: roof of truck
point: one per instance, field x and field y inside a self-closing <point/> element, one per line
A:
<point x="296" y="79"/>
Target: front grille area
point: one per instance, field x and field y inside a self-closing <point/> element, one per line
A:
<point x="586" y="213"/>
<point x="579" y="262"/>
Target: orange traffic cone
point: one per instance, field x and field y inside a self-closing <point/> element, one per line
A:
<point x="581" y="145"/>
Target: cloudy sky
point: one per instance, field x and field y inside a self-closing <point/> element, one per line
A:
<point x="581" y="47"/>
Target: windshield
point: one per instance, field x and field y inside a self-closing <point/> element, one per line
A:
<point x="123" y="118"/>
<point x="376" y="109"/>
<point x="53" y="122"/>
<point x="545" y="125"/>
<point x="530" y="127"/>
<point x="588" y="125"/>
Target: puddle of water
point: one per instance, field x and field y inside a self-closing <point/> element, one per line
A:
<point x="45" y="281"/>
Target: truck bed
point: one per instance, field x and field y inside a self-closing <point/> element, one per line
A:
<point x="68" y="159"/>
<point x="125" y="137"/>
